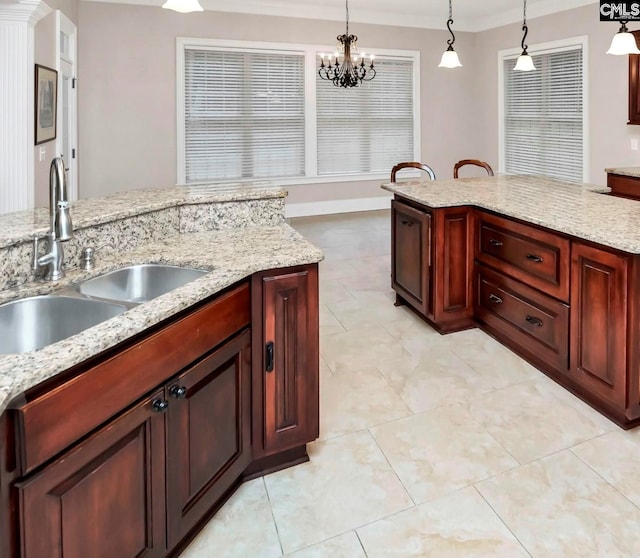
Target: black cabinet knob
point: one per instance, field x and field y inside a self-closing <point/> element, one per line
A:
<point x="179" y="392"/>
<point x="159" y="405"/>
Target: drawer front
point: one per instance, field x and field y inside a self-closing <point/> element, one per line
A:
<point x="625" y="186"/>
<point x="536" y="257"/>
<point x="48" y="424"/>
<point x="537" y="324"/>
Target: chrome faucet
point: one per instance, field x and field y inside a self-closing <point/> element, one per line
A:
<point x="61" y="228"/>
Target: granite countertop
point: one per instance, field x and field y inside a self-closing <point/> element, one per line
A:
<point x="579" y="210"/>
<point x="23" y="225"/>
<point x="231" y="255"/>
<point x="625" y="171"/>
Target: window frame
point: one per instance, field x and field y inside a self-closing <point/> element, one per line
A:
<point x="581" y="41"/>
<point x="311" y="53"/>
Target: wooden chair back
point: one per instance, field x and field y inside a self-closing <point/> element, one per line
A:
<point x="475" y="162"/>
<point x="412" y="165"/>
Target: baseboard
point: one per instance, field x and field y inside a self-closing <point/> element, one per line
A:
<point x="336" y="206"/>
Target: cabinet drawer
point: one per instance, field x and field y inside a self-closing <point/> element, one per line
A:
<point x="50" y="422"/>
<point x="624" y="186"/>
<point x="536" y="257"/>
<point x="536" y="324"/>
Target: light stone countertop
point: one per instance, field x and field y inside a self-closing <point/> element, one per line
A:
<point x="23" y="225"/>
<point x="231" y="255"/>
<point x="579" y="210"/>
<point x="625" y="171"/>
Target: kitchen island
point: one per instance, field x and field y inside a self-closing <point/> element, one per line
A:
<point x="549" y="268"/>
<point x="129" y="435"/>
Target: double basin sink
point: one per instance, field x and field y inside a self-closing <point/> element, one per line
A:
<point x="32" y="323"/>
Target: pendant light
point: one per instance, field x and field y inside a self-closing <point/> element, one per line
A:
<point x="623" y="42"/>
<point x="525" y="62"/>
<point x="183" y="6"/>
<point x="450" y="56"/>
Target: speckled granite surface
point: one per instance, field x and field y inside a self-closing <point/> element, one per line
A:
<point x="625" y="171"/>
<point x="21" y="226"/>
<point x="580" y="210"/>
<point x="231" y="255"/>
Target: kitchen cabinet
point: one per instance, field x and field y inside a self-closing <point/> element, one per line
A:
<point x="208" y="433"/>
<point x="286" y="366"/>
<point x="623" y="186"/>
<point x="634" y="84"/>
<point x="411" y="249"/>
<point x="130" y="453"/>
<point x="599" y="326"/>
<point x="432" y="263"/>
<point x="105" y="497"/>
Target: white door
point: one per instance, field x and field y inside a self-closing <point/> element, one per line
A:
<point x="67" y="133"/>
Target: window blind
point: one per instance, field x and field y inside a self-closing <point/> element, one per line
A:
<point x="244" y="115"/>
<point x="367" y="128"/>
<point x="543" y="116"/>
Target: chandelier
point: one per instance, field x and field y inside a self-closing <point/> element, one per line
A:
<point x="351" y="71"/>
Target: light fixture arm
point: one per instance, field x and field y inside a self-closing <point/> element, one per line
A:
<point x="453" y="37"/>
<point x="524" y="37"/>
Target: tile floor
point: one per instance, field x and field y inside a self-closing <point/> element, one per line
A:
<point x="431" y="446"/>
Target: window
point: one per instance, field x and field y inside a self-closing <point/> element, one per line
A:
<point x="259" y="111"/>
<point x="542" y="124"/>
<point x="368" y="128"/>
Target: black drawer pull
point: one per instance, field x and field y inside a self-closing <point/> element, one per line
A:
<point x="494" y="298"/>
<point x="159" y="405"/>
<point x="269" y="357"/>
<point x="495" y="243"/>
<point x="407" y="223"/>
<point x="179" y="392"/>
<point x="534" y="321"/>
<point x="534" y="258"/>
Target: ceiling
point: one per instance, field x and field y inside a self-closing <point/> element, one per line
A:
<point x="469" y="15"/>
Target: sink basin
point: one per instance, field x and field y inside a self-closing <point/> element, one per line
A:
<point x="139" y="283"/>
<point x="31" y="323"/>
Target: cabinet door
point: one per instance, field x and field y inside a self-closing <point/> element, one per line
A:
<point x="411" y="254"/>
<point x="290" y="362"/>
<point x="209" y="433"/>
<point x="599" y="323"/>
<point x="103" y="499"/>
<point x="634" y="85"/>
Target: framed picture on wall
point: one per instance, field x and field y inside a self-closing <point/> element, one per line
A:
<point x="46" y="103"/>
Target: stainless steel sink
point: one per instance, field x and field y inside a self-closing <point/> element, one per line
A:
<point x="31" y="323"/>
<point x="139" y="283"/>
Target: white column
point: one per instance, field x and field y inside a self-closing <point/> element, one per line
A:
<point x="17" y="70"/>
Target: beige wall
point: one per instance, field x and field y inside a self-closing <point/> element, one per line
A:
<point x="45" y="54"/>
<point x="127" y="93"/>
<point x="608" y="131"/>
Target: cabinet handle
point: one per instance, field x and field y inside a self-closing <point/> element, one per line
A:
<point x="494" y="298"/>
<point x="495" y="243"/>
<point x="407" y="222"/>
<point x="179" y="392"/>
<point x="534" y="321"/>
<point x="534" y="258"/>
<point x="159" y="405"/>
<point x="269" y="357"/>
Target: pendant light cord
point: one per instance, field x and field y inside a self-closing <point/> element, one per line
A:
<point x="347" y="3"/>
<point x="449" y="23"/>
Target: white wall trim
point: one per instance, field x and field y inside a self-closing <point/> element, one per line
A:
<point x="17" y="75"/>
<point x="322" y="11"/>
<point x="331" y="207"/>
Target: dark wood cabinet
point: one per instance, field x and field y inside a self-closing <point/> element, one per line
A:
<point x="105" y="497"/>
<point x="285" y="375"/>
<point x="208" y="433"/>
<point x="411" y="255"/>
<point x="624" y="186"/>
<point x="599" y="323"/>
<point x="432" y="263"/>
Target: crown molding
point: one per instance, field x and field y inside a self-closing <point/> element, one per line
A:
<point x="291" y="8"/>
<point x="25" y="11"/>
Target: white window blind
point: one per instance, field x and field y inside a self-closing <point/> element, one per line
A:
<point x="367" y="128"/>
<point x="244" y="115"/>
<point x="543" y="115"/>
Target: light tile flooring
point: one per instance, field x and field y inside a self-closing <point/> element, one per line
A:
<point x="431" y="446"/>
